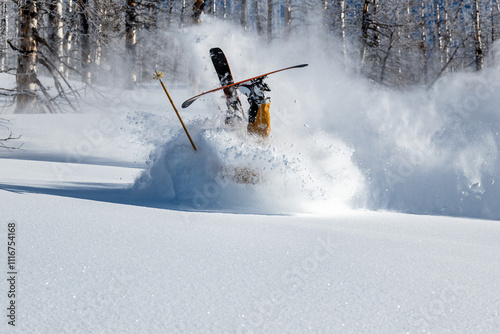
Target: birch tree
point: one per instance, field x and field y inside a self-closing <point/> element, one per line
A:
<point x="342" y="10"/>
<point x="4" y="33"/>
<point x="56" y="31"/>
<point x="288" y="17"/>
<point x="243" y="14"/>
<point x="131" y="40"/>
<point x="69" y="28"/>
<point x="423" y="42"/>
<point x="269" y="21"/>
<point x="477" y="36"/>
<point x="26" y="78"/>
<point x="369" y="29"/>
<point x="85" y="40"/>
<point x="257" y="16"/>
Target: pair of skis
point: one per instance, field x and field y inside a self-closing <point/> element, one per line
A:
<point x="226" y="80"/>
<point x="227" y="85"/>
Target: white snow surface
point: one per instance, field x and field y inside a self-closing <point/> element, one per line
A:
<point x="373" y="211"/>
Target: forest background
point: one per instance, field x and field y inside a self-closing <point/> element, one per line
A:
<point x="396" y="43"/>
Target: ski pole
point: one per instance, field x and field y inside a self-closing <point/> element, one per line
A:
<point x="158" y="76"/>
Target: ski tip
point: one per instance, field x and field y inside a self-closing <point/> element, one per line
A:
<point x="187" y="104"/>
<point x="215" y="50"/>
<point x="302" y="65"/>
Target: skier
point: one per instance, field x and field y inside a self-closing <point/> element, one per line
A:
<point x="259" y="118"/>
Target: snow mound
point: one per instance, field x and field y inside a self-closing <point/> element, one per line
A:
<point x="235" y="171"/>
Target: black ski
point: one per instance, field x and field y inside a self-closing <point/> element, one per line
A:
<point x="226" y="78"/>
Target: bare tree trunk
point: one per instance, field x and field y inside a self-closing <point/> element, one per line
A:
<point x="451" y="39"/>
<point x="492" y="20"/>
<point x="56" y="30"/>
<point x="325" y="9"/>
<point x="342" y="31"/>
<point x="423" y="42"/>
<point x="85" y="42"/>
<point x="477" y="36"/>
<point x="448" y="36"/>
<point x="131" y="41"/>
<point x="27" y="60"/>
<point x="376" y="28"/>
<point x="497" y="3"/>
<point x="243" y="18"/>
<point x="368" y="24"/>
<point x="439" y="33"/>
<point x="212" y="8"/>
<point x="398" y="28"/>
<point x="4" y="27"/>
<point x="183" y="10"/>
<point x="386" y="56"/>
<point x="258" y="23"/>
<point x="364" y="30"/>
<point x="170" y="10"/>
<point x="288" y="17"/>
<point x="269" y="21"/>
<point x="99" y="42"/>
<point x="68" y="38"/>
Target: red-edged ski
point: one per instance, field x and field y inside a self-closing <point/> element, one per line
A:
<point x="188" y="102"/>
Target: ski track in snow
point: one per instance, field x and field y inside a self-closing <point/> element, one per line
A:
<point x="123" y="228"/>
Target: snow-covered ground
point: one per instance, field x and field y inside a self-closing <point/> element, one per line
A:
<point x="93" y="266"/>
<point x="120" y="227"/>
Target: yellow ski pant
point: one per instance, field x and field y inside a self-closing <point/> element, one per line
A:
<point x="262" y="124"/>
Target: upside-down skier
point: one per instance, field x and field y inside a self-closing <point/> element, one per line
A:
<point x="259" y="118"/>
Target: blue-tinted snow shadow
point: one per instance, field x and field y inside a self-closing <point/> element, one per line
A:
<point x="118" y="194"/>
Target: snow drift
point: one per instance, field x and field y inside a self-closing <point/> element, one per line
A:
<point x="235" y="171"/>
